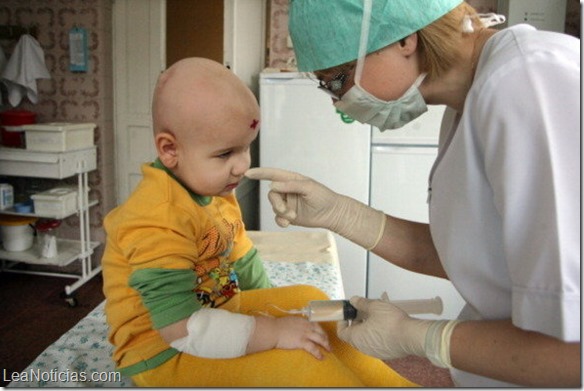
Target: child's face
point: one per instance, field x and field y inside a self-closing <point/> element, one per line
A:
<point x="212" y="161"/>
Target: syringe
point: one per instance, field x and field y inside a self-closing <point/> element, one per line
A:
<point x="335" y="310"/>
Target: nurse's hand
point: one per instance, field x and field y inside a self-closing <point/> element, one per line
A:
<point x="300" y="200"/>
<point x="385" y="331"/>
<point x="297" y="199"/>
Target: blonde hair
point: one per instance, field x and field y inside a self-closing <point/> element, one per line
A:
<point x="439" y="42"/>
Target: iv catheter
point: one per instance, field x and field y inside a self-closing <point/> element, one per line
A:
<point x="335" y="310"/>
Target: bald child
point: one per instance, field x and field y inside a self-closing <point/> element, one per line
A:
<point x="186" y="290"/>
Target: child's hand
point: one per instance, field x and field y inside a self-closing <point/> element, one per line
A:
<point x="289" y="332"/>
<point x="298" y="333"/>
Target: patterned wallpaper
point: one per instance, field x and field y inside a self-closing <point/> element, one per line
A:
<point x="68" y="96"/>
<point x="281" y="56"/>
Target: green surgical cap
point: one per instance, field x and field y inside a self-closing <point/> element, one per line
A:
<point x="326" y="33"/>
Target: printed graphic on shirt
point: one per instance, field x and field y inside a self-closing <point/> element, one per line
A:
<point x="217" y="281"/>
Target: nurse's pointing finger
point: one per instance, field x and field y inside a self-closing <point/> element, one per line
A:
<point x="273" y="174"/>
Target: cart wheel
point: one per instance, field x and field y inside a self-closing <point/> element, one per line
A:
<point x="70" y="300"/>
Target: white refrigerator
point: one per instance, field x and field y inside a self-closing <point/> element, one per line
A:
<point x="302" y="131"/>
<point x="401" y="161"/>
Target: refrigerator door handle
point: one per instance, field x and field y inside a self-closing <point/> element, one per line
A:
<point x="403" y="148"/>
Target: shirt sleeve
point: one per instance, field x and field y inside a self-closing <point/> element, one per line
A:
<point x="529" y="117"/>
<point x="251" y="272"/>
<point x="161" y="260"/>
<point x="167" y="294"/>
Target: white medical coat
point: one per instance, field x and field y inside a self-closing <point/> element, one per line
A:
<point x="505" y="189"/>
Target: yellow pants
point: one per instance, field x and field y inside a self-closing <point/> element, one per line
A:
<point x="343" y="367"/>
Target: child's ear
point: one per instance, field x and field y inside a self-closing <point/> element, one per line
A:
<point x="166" y="148"/>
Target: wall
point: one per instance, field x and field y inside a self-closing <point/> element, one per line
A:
<point x="281" y="56"/>
<point x="73" y="97"/>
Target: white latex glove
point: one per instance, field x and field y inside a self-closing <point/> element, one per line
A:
<point x="384" y="331"/>
<point x="300" y="200"/>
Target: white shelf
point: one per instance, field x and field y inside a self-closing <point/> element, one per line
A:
<point x="68" y="251"/>
<point x="47" y="216"/>
<point x="55" y="165"/>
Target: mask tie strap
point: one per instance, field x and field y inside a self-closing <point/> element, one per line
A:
<point x="367" y="5"/>
<point x="492" y="19"/>
<point x="488" y="20"/>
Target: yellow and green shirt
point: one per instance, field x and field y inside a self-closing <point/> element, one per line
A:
<point x="170" y="252"/>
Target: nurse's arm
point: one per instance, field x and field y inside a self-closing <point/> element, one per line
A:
<point x="499" y="350"/>
<point x="409" y="245"/>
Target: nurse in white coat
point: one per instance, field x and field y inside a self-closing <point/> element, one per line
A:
<point x="504" y="193"/>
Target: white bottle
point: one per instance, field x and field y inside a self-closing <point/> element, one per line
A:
<point x="6" y="196"/>
<point x="49" y="246"/>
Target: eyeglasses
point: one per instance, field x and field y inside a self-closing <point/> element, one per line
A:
<point x="333" y="86"/>
<point x="336" y="85"/>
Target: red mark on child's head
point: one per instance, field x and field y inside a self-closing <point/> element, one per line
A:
<point x="254" y="124"/>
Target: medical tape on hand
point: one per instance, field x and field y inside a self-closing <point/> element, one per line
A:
<point x="216" y="333"/>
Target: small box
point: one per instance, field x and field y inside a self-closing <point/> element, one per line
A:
<point x="58" y="136"/>
<point x="58" y="202"/>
